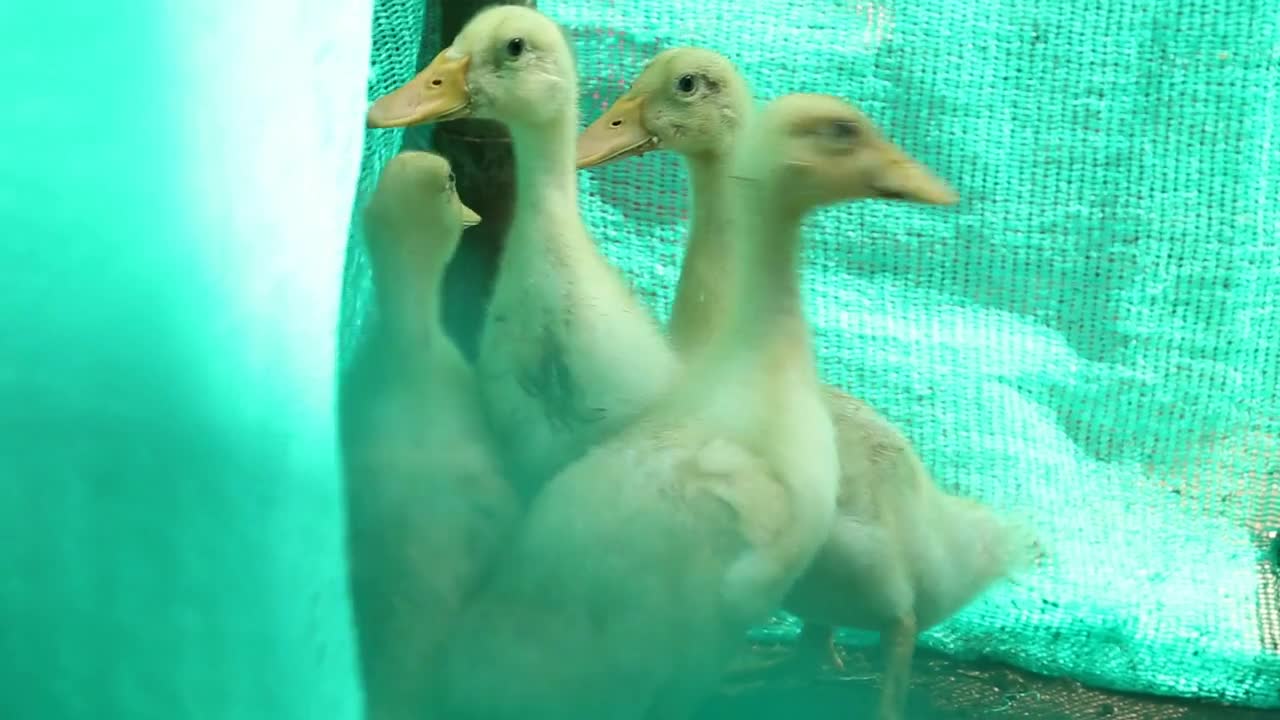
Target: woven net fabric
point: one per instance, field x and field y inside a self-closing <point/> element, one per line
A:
<point x="1091" y="339"/>
<point x="397" y="36"/>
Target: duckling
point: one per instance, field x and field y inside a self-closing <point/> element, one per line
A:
<point x="692" y="101"/>
<point x="904" y="555"/>
<point x="642" y="564"/>
<point x="568" y="352"/>
<point x="428" y="508"/>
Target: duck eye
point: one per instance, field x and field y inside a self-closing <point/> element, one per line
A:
<point x="686" y="84"/>
<point x="843" y="130"/>
<point x="515" y="47"/>
<point x="452" y="180"/>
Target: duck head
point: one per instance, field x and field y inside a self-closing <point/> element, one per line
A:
<point x="688" y="100"/>
<point x="815" y="150"/>
<point x="415" y="211"/>
<point x="509" y="63"/>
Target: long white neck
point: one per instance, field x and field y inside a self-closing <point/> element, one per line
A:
<point x="407" y="291"/>
<point x="703" y="292"/>
<point x="765" y="328"/>
<point x="547" y="186"/>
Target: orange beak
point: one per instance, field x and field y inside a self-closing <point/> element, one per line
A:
<point x="902" y="177"/>
<point x="469" y="217"/>
<point x="436" y="94"/>
<point x="618" y="133"/>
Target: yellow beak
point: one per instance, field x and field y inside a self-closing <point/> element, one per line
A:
<point x="902" y="177"/>
<point x="469" y="216"/>
<point x="436" y="94"/>
<point x="617" y="134"/>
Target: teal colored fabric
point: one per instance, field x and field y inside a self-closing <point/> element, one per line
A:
<point x="1091" y="339"/>
<point x="397" y="36"/>
<point x="175" y="184"/>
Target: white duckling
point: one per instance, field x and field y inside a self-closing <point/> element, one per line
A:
<point x="428" y="509"/>
<point x="692" y="101"/>
<point x="642" y="565"/>
<point x="904" y="555"/>
<point x="568" y="352"/>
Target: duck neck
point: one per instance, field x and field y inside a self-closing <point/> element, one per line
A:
<point x="546" y="183"/>
<point x="407" y="292"/>
<point x="702" y="293"/>
<point x="765" y="327"/>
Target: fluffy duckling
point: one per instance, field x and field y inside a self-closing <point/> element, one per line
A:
<point x="691" y="101"/>
<point x="904" y="555"/>
<point x="428" y="508"/>
<point x="568" y="352"/>
<point x="642" y="564"/>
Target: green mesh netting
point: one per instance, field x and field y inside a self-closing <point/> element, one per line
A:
<point x="397" y="35"/>
<point x="1091" y="338"/>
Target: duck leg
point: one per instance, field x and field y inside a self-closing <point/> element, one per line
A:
<point x="815" y="643"/>
<point x="898" y="643"/>
<point x="817" y="640"/>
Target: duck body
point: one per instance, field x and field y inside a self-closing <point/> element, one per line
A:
<point x="903" y="555"/>
<point x="428" y="512"/>
<point x="902" y="550"/>
<point x="568" y="354"/>
<point x="642" y="565"/>
<point x="428" y="508"/>
<point x="426" y="490"/>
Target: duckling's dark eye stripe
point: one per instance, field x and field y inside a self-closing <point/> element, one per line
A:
<point x="827" y="127"/>
<point x="704" y="81"/>
<point x="844" y="129"/>
<point x="812" y="127"/>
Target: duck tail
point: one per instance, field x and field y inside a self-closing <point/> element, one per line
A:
<point x="985" y="547"/>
